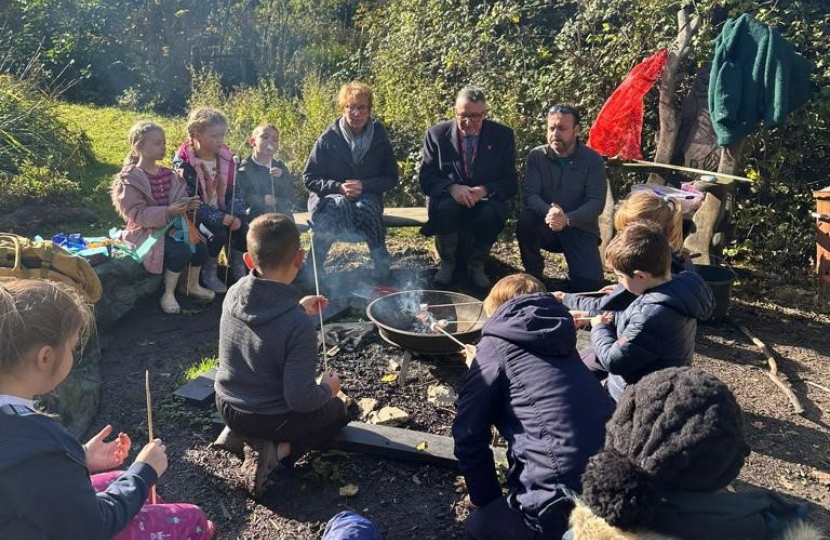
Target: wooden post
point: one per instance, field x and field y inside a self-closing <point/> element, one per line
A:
<point x="669" y="114"/>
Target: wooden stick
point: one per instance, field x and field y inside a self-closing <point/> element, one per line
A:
<point x="458" y="304"/>
<point x="317" y="289"/>
<point x="637" y="163"/>
<point x="773" y="368"/>
<point x="435" y="326"/>
<point x="811" y="383"/>
<point x="153" y="498"/>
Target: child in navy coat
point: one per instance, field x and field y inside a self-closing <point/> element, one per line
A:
<point x="528" y="381"/>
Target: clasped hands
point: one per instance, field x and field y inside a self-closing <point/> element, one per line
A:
<point x="352" y="189"/>
<point x="556" y="218"/>
<point x="467" y="196"/>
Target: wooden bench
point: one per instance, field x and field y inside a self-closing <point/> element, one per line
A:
<point x="392" y="217"/>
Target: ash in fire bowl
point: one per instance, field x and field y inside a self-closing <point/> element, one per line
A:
<point x="403" y="319"/>
<point x="417" y="311"/>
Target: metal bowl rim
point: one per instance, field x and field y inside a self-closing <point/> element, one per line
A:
<point x="419" y="334"/>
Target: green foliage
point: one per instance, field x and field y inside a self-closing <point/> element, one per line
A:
<point x="194" y="370"/>
<point x="300" y="120"/>
<point x="37" y="184"/>
<point x="30" y="132"/>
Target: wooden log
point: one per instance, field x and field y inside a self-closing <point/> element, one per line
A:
<point x="773" y="368"/>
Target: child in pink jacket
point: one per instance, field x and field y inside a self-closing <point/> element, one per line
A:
<point x="150" y="198"/>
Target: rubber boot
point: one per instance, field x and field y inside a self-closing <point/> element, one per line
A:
<point x="168" y="299"/>
<point x="238" y="266"/>
<point x="190" y="287"/>
<point x="475" y="266"/>
<point x="446" y="245"/>
<point x="210" y="278"/>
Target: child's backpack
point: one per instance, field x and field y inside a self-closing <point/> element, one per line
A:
<point x="43" y="259"/>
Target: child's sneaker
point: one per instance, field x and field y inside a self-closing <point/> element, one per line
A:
<point x="260" y="461"/>
<point x="230" y="442"/>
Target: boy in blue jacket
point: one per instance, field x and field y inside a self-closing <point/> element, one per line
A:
<point x="528" y="381"/>
<point x="657" y="330"/>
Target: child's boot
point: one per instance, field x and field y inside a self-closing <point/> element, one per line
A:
<point x="168" y="299"/>
<point x="260" y="461"/>
<point x="190" y="286"/>
<point x="240" y="269"/>
<point x="230" y="442"/>
<point x="210" y="278"/>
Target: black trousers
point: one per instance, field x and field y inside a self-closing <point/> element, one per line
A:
<point x="221" y="234"/>
<point x="581" y="250"/>
<point x="177" y="255"/>
<point x="483" y="221"/>
<point x="303" y="430"/>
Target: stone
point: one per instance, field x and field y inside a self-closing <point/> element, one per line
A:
<point x="393" y="365"/>
<point x="366" y="406"/>
<point x="389" y="416"/>
<point x="441" y="396"/>
<point x="125" y="283"/>
<point x="76" y="399"/>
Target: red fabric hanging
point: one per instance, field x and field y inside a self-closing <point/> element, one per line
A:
<point x="619" y="126"/>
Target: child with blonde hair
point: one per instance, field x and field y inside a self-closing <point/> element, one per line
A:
<point x="639" y="207"/>
<point x="45" y="486"/>
<point x="150" y="197"/>
<point x="266" y="183"/>
<point x="207" y="165"/>
<point x="529" y="382"/>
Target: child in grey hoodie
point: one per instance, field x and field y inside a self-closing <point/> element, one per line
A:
<point x="265" y="385"/>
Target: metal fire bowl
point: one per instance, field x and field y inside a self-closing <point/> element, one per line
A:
<point x="394" y="315"/>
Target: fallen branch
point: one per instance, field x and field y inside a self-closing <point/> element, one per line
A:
<point x="773" y="368"/>
<point x="811" y="383"/>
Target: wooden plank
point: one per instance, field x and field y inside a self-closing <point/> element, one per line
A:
<point x="394" y="443"/>
<point x="392" y="217"/>
<point x="199" y="391"/>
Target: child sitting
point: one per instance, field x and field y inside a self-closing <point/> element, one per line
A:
<point x="268" y="355"/>
<point x="657" y="330"/>
<point x="528" y="381"/>
<point x="640" y="206"/>
<point x="266" y="184"/>
<point x="149" y="197"/>
<point x="208" y="167"/>
<point x="675" y="443"/>
<point x="45" y="487"/>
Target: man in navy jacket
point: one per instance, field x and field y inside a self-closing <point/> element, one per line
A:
<point x="468" y="173"/>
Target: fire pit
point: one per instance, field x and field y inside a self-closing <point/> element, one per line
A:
<point x="402" y="321"/>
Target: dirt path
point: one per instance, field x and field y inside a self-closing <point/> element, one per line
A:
<point x="791" y="453"/>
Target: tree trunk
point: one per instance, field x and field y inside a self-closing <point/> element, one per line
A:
<point x="669" y="114"/>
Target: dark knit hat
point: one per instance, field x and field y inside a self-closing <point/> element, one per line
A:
<point x="676" y="429"/>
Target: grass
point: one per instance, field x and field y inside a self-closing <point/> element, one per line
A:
<point x="107" y="128"/>
<point x="194" y="370"/>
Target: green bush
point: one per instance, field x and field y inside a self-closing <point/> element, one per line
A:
<point x="300" y="119"/>
<point x="30" y="131"/>
<point x="37" y="184"/>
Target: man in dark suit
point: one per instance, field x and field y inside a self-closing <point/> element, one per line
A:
<point x="468" y="173"/>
